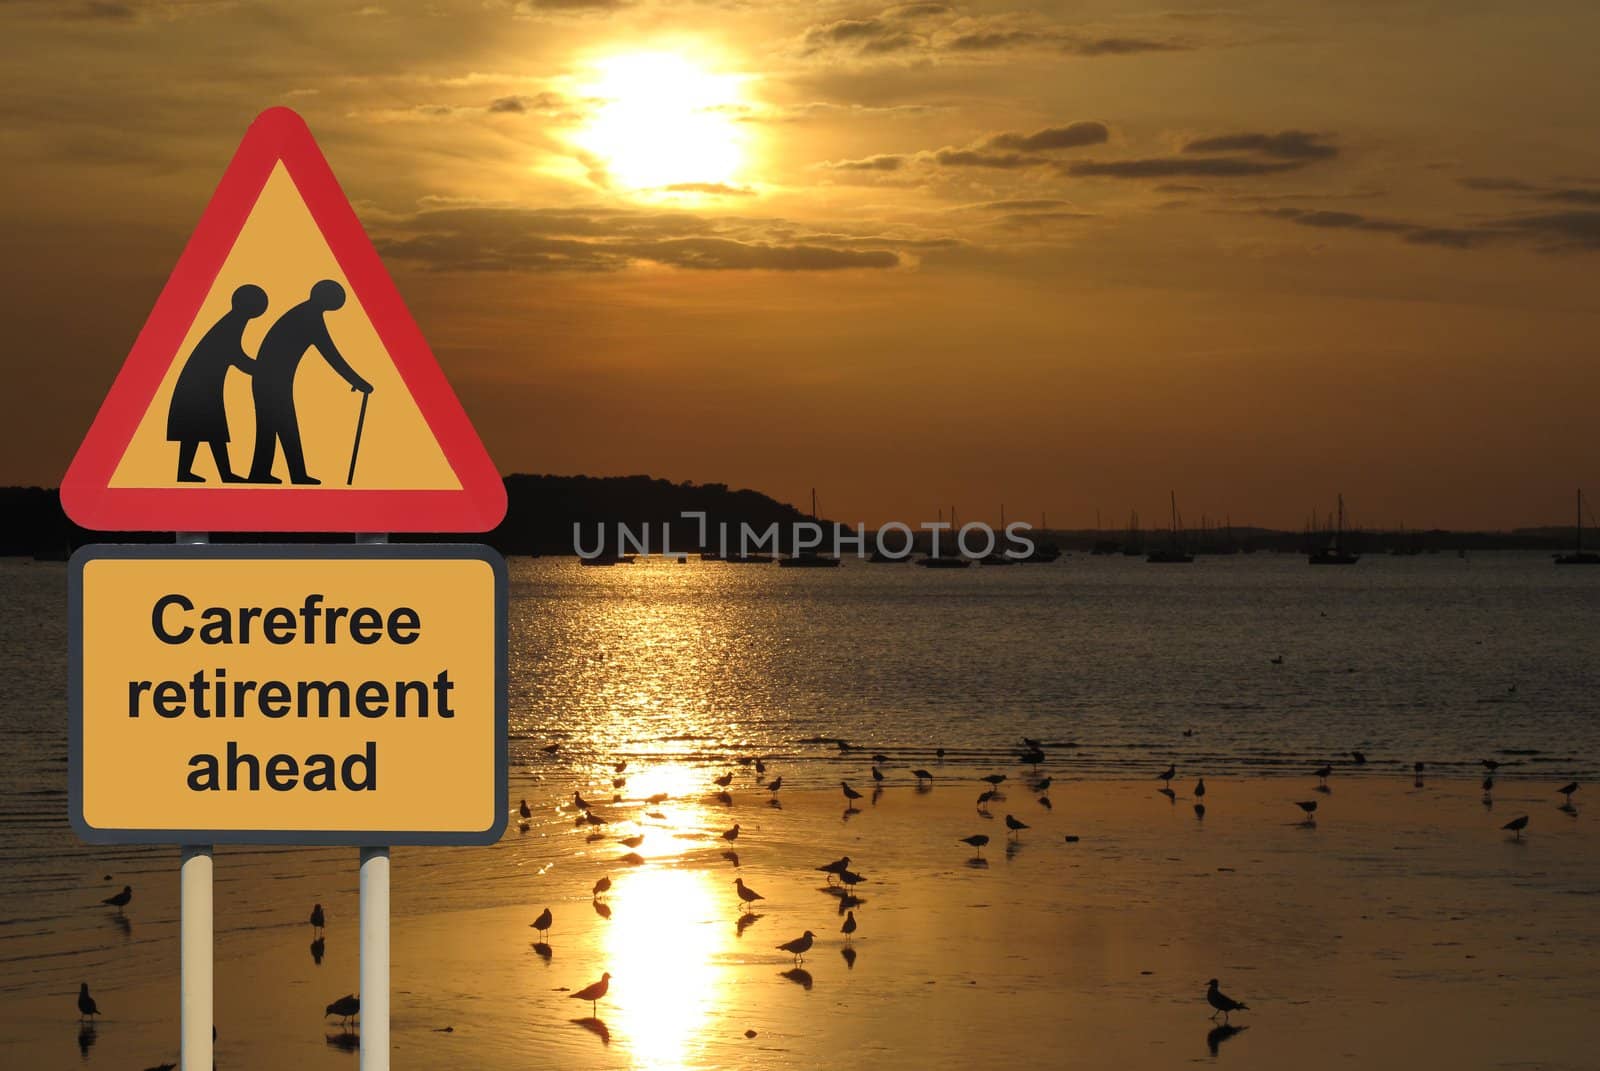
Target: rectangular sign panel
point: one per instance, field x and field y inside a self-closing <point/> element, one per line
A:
<point x="333" y="694"/>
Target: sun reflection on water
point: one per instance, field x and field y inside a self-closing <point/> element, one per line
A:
<point x="663" y="948"/>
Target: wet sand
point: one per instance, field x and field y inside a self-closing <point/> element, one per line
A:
<point x="1403" y="930"/>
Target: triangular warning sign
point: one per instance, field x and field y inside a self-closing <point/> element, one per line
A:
<point x="280" y="384"/>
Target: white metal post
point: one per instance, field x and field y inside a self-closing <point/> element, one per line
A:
<point x="374" y="959"/>
<point x="374" y="941"/>
<point x="195" y="944"/>
<point x="196" y="939"/>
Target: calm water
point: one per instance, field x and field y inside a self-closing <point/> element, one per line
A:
<point x="682" y="666"/>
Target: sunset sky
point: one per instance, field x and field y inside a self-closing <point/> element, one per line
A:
<point x="1062" y="257"/>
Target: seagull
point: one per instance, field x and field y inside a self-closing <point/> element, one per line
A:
<point x="835" y="868"/>
<point x="922" y="775"/>
<point x="849" y="926"/>
<point x="1278" y="661"/>
<point x="985" y="797"/>
<point x="594" y="818"/>
<point x="1417" y="768"/>
<point x="1490" y="764"/>
<point x="1222" y="1002"/>
<point x="724" y="781"/>
<point x="579" y="802"/>
<point x="747" y="895"/>
<point x="1517" y="825"/>
<point x="877" y="775"/>
<point x="593" y="993"/>
<point x="977" y="840"/>
<point x="1322" y="772"/>
<point x="880" y="759"/>
<point x="1310" y="807"/>
<point x="761" y="768"/>
<point x="799" y="946"/>
<point x="542" y="923"/>
<point x="1359" y="758"/>
<point x="1168" y="774"/>
<point x="850" y="794"/>
<point x="994" y="779"/>
<point x="851" y="878"/>
<point x="619" y="767"/>
<point x="777" y="783"/>
<point x="938" y="753"/>
<point x="602" y="886"/>
<point x="1043" y="784"/>
<point x="86" y="1005"/>
<point x="1015" y="825"/>
<point x="317" y="919"/>
<point x="346" y="1008"/>
<point x="526" y="811"/>
<point x="120" y="900"/>
<point x="731" y="835"/>
<point x="1200" y="789"/>
<point x="633" y="841"/>
<point x="1567" y="790"/>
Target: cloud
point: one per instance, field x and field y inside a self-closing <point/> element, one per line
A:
<point x="1547" y="232"/>
<point x="1009" y="161"/>
<point x="1071" y="136"/>
<point x="1177" y="166"/>
<point x="881" y="162"/>
<point x="478" y="238"/>
<point x="1284" y="145"/>
<point x="1000" y="38"/>
<point x="521" y="103"/>
<point x="916" y="11"/>
<point x="1572" y="195"/>
<point x="719" y="189"/>
<point x="871" y="36"/>
<point x="936" y="30"/>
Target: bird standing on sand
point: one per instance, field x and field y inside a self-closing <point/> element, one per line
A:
<point x="850" y="878"/>
<point x="1310" y="807"/>
<point x="799" y="946"/>
<point x="1490" y="764"/>
<point x="1015" y="825"/>
<point x="1222" y="1002"/>
<point x="977" y="840"/>
<point x="1322" y="773"/>
<point x="850" y="794"/>
<point x="994" y="779"/>
<point x="776" y="783"/>
<point x="593" y="993"/>
<point x="922" y="775"/>
<point x="579" y="802"/>
<point x="747" y="895"/>
<point x="1200" y="789"/>
<point x="1168" y="774"/>
<point x="525" y="810"/>
<point x="602" y="886"/>
<point x="1567" y="790"/>
<point x="724" y="781"/>
<point x="731" y="835"/>
<point x="985" y="797"/>
<point x="835" y="868"/>
<point x="849" y="927"/>
<point x="346" y="1008"/>
<point x="877" y="776"/>
<point x="87" y="1009"/>
<point x="318" y="920"/>
<point x="1517" y="825"/>
<point x="542" y="923"/>
<point x="120" y="900"/>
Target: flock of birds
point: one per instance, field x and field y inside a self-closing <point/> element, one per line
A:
<point x="842" y="881"/>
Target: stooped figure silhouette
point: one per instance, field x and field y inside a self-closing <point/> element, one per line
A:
<point x="295" y="332"/>
<point x="197" y="413"/>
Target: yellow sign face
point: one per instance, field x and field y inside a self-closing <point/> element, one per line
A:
<point x="268" y="384"/>
<point x="350" y="694"/>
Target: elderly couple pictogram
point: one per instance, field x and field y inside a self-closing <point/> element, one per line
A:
<point x="198" y="413"/>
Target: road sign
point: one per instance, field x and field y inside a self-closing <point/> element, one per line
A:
<point x="279" y="383"/>
<point x="309" y="694"/>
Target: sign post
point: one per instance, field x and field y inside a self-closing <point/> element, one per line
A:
<point x="345" y="693"/>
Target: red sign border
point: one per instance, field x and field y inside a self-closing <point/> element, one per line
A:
<point x="279" y="135"/>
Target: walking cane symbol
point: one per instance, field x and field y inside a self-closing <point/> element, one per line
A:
<point x="355" y="448"/>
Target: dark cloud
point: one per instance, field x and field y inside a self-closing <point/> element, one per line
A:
<point x="520" y="104"/>
<point x="1177" y="166"/>
<point x="1284" y="145"/>
<point x="1508" y="185"/>
<point x="872" y="36"/>
<point x="881" y="162"/>
<point x="1000" y="39"/>
<point x="1007" y="161"/>
<point x="1019" y="205"/>
<point x="536" y="7"/>
<point x="1180" y="187"/>
<point x="1120" y="46"/>
<point x="1071" y="136"/>
<point x="1571" y="195"/>
<point x="933" y="35"/>
<point x="916" y="11"/>
<point x="1549" y="232"/>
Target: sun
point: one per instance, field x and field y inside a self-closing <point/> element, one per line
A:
<point x="661" y="119"/>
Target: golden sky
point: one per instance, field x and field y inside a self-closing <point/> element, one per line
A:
<point x="1062" y="256"/>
